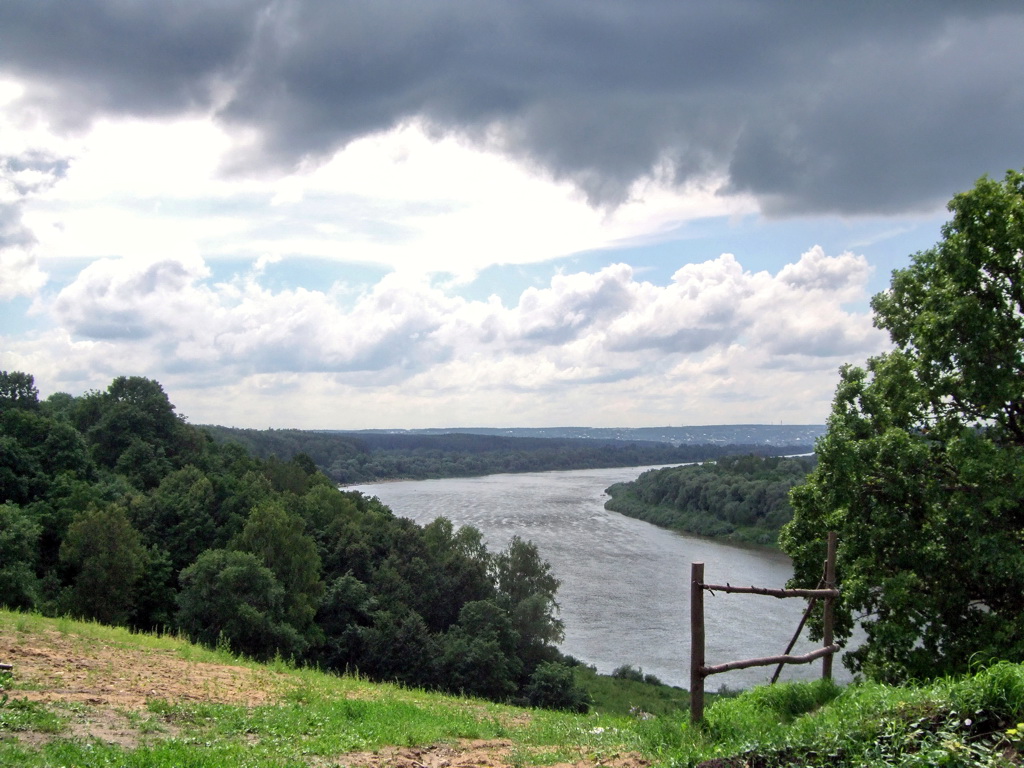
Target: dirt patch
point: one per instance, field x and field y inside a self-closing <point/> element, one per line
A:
<point x="55" y="667"/>
<point x="469" y="754"/>
<point x="464" y="754"/>
<point x="104" y="690"/>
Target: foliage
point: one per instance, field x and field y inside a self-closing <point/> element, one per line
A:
<point x="919" y="471"/>
<point x="553" y="685"/>
<point x="114" y="508"/>
<point x="526" y="591"/>
<point x="19" y="554"/>
<point x="106" y="557"/>
<point x="230" y="596"/>
<point x="277" y="537"/>
<point x="956" y="722"/>
<point x="743" y="497"/>
<point x="18" y="390"/>
<point x="629" y="672"/>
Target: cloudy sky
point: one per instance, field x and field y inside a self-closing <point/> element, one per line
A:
<point x="428" y="213"/>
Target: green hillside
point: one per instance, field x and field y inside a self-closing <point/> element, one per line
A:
<point x="81" y="694"/>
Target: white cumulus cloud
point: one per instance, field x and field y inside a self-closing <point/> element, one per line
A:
<point x="20" y="274"/>
<point x="716" y="333"/>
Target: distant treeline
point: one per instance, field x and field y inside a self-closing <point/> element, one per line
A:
<point x="744" y="498"/>
<point x="365" y="457"/>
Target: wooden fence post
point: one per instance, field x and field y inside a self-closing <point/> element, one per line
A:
<point x="830" y="583"/>
<point x="696" y="642"/>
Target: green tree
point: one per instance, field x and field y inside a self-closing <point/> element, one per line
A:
<point x="20" y="473"/>
<point x="107" y="557"/>
<point x="526" y="590"/>
<point x="179" y="516"/>
<point x="478" y="656"/>
<point x="134" y="417"/>
<point x="19" y="552"/>
<point x="458" y="572"/>
<point x="232" y="596"/>
<point x="156" y="592"/>
<point x="18" y="390"/>
<point x="399" y="646"/>
<point x="277" y="537"/>
<point x="344" y="608"/>
<point x="920" y="469"/>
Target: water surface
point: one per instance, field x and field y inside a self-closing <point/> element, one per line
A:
<point x="625" y="583"/>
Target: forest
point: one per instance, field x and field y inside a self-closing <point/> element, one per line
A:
<point x="113" y="508"/>
<point x="742" y="498"/>
<point x="350" y="458"/>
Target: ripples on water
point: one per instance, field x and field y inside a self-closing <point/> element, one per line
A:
<point x="625" y="583"/>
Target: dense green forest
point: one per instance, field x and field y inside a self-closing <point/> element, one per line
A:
<point x="113" y="508"/>
<point x="363" y="457"/>
<point x="744" y="498"/>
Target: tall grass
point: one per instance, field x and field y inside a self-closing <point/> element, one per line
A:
<point x="961" y="722"/>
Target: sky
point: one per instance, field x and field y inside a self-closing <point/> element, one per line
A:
<point x="455" y="213"/>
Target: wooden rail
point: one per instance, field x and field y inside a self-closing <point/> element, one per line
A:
<point x="767" y="661"/>
<point x="780" y="593"/>
<point x="699" y="670"/>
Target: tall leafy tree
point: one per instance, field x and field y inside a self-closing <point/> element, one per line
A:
<point x="479" y="653"/>
<point x="459" y="571"/>
<point x="920" y="469"/>
<point x="133" y="420"/>
<point x="179" y="516"/>
<point x="526" y="590"/>
<point x="232" y="597"/>
<point x="108" y="559"/>
<point x="277" y="537"/>
<point x="18" y="390"/>
<point x="19" y="553"/>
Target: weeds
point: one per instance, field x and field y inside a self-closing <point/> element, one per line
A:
<point x="22" y="715"/>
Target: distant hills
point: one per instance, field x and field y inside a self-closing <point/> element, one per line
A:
<point x="721" y="434"/>
<point x="417" y="454"/>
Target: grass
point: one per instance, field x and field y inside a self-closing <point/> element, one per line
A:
<point x="620" y="696"/>
<point x="316" y="719"/>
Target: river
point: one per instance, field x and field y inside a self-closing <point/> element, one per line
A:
<point x="625" y="583"/>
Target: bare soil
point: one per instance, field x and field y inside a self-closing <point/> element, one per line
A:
<point x="105" y="688"/>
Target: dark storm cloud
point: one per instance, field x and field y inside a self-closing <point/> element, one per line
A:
<point x="813" y="107"/>
<point x="92" y="57"/>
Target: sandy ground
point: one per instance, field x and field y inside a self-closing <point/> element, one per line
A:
<point x="111" y="685"/>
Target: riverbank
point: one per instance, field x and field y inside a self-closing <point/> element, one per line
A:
<point x="740" y="499"/>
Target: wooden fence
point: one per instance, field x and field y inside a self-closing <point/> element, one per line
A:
<point x="699" y="670"/>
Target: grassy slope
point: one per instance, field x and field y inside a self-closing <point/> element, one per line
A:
<point x="305" y="718"/>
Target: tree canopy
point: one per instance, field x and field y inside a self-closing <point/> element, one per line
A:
<point x="742" y="498"/>
<point x="114" y="508"/>
<point x="920" y="471"/>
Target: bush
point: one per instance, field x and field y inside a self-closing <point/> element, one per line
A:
<point x="553" y="686"/>
<point x="628" y="672"/>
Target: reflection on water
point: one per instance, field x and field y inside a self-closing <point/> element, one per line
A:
<point x="625" y="583"/>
